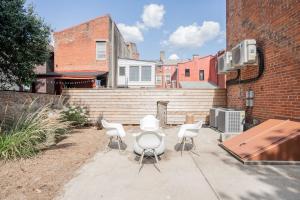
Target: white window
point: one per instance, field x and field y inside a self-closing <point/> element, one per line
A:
<point x="158" y="80"/>
<point x="100" y="50"/>
<point x="134" y="73"/>
<point x="146" y="73"/>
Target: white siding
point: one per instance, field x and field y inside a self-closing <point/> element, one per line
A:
<point x="138" y="73"/>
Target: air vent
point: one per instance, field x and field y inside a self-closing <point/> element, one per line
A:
<point x="213" y="117"/>
<point x="244" y="54"/>
<point x="224" y="63"/>
<point x="236" y="56"/>
<point x="230" y="121"/>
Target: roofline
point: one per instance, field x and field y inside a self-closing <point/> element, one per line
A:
<point x="197" y="58"/>
<point x="138" y="60"/>
<point x="74" y="26"/>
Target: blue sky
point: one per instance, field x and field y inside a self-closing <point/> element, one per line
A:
<point x="181" y="28"/>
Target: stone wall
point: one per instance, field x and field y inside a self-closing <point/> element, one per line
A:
<point x="12" y="98"/>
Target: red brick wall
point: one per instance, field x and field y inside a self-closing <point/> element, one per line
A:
<point x="276" y="27"/>
<point x="75" y="48"/>
<point x="208" y="64"/>
<point x="171" y="70"/>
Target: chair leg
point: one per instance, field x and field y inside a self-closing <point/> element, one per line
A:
<point x="142" y="157"/>
<point x="107" y="149"/>
<point x="118" y="140"/>
<point x="156" y="158"/>
<point x="193" y="143"/>
<point x="183" y="145"/>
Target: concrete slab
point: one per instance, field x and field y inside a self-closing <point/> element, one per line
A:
<point x="212" y="174"/>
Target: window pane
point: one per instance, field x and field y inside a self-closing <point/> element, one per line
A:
<point x="100" y="50"/>
<point x="122" y="71"/>
<point x="187" y="72"/>
<point x="134" y="73"/>
<point x="158" y="79"/>
<point x="168" y="78"/>
<point x="146" y="73"/>
<point x="201" y="75"/>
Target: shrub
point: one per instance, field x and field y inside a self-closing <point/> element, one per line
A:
<point x="76" y="115"/>
<point x="22" y="135"/>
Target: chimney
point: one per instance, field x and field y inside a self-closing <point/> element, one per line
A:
<point x="162" y="56"/>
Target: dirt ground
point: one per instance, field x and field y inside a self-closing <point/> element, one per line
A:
<point x="43" y="176"/>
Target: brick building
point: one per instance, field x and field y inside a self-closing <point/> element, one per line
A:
<point x="86" y="55"/>
<point x="199" y="72"/>
<point x="275" y="25"/>
<point x="166" y="72"/>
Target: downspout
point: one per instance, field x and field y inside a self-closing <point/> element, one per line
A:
<point x="113" y="55"/>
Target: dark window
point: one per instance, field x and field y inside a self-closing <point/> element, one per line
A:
<point x="187" y="72"/>
<point x="122" y="71"/>
<point x="201" y="75"/>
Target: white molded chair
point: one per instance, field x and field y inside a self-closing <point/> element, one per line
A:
<point x="114" y="130"/>
<point x="149" y="142"/>
<point x="189" y="131"/>
<point x="149" y="123"/>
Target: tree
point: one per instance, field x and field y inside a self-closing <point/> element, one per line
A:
<point x="24" y="43"/>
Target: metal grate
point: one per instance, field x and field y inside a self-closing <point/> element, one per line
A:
<point x="234" y="122"/>
<point x="229" y="121"/>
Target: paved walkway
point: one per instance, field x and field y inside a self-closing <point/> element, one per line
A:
<point x="212" y="174"/>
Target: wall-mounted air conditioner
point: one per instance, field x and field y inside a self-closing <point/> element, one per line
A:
<point x="244" y="53"/>
<point x="224" y="62"/>
<point x="231" y="121"/>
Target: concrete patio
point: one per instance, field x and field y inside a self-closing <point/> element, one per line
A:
<point x="212" y="174"/>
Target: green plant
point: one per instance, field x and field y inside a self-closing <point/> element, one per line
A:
<point x="76" y="115"/>
<point x="21" y="136"/>
<point x="24" y="43"/>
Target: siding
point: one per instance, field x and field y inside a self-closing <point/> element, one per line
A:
<point x="128" y="106"/>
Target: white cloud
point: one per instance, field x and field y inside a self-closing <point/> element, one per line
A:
<point x="174" y="57"/>
<point x="153" y="15"/>
<point x="194" y="36"/>
<point x="131" y="33"/>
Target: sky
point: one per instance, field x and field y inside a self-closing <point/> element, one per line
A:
<point x="181" y="28"/>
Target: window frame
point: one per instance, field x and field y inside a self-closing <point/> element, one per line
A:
<point x="160" y="79"/>
<point x="168" y="80"/>
<point x="142" y="76"/>
<point x="103" y="51"/>
<point x="187" y="72"/>
<point x="201" y="70"/>
<point x="123" y="67"/>
<point x="138" y="73"/>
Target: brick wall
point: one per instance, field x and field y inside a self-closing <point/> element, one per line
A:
<point x="75" y="48"/>
<point x="276" y="27"/>
<point x="207" y="64"/>
<point x="164" y="70"/>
